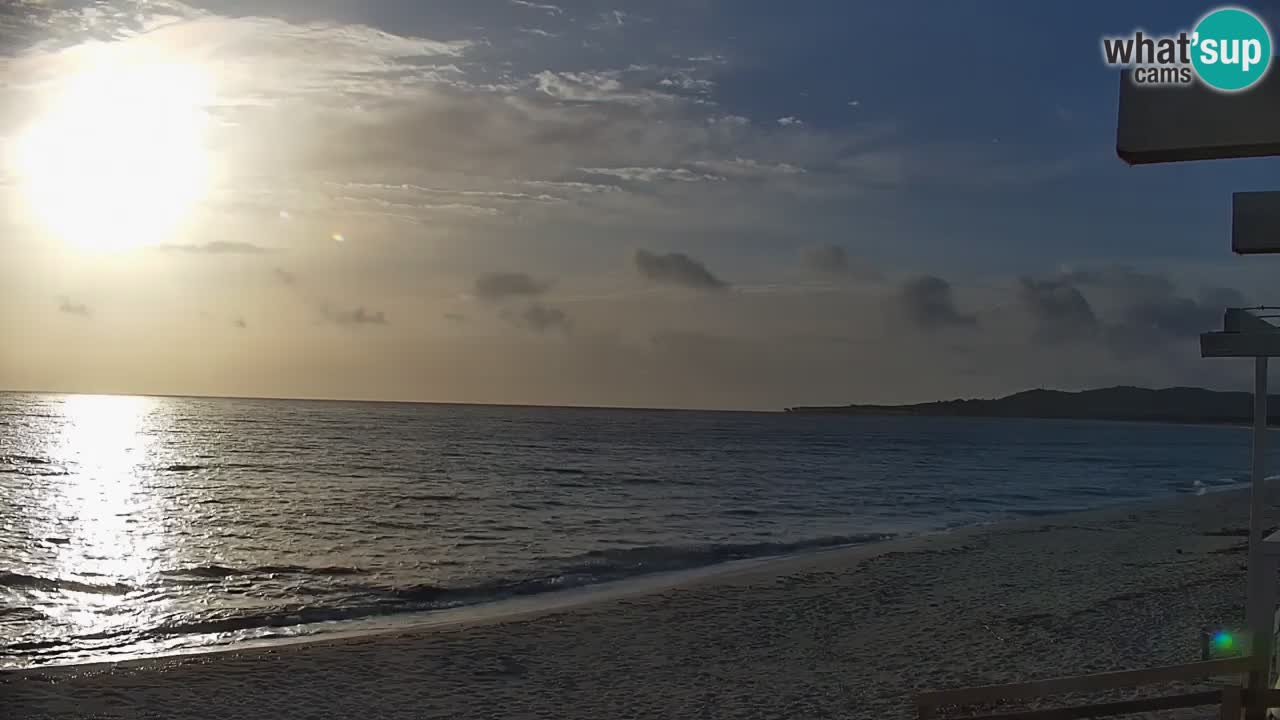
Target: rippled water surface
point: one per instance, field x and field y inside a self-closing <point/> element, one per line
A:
<point x="140" y="525"/>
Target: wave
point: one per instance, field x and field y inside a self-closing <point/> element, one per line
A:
<point x="31" y="471"/>
<point x="222" y="571"/>
<point x="35" y="582"/>
<point x="24" y="460"/>
<point x="14" y="615"/>
<point x="219" y="624"/>
<point x="29" y="465"/>
<point x="560" y="471"/>
<point x="196" y="467"/>
<point x="358" y="599"/>
<point x="364" y="601"/>
<point x="663" y="558"/>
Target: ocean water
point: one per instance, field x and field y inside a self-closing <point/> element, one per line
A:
<point x="133" y="525"/>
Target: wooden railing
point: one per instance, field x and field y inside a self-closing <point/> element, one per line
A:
<point x="1231" y="699"/>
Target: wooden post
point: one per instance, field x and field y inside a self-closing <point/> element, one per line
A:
<point x="1260" y="586"/>
<point x="1230" y="704"/>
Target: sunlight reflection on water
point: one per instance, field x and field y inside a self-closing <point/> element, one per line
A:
<point x="104" y="533"/>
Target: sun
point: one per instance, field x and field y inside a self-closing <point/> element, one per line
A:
<point x="117" y="159"/>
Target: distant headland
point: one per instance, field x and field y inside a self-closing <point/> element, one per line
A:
<point x="1171" y="405"/>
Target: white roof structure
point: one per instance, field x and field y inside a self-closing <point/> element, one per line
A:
<point x="1246" y="332"/>
<point x="1178" y="123"/>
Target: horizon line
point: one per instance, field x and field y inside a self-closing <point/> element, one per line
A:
<point x="378" y="401"/>
<point x="782" y="410"/>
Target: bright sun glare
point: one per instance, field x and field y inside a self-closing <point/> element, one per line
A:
<point x="117" y="160"/>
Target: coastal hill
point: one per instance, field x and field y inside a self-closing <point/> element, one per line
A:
<point x="1173" y="405"/>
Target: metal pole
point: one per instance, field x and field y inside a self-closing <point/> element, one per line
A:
<point x="1259" y="616"/>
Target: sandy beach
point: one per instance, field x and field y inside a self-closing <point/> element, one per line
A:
<point x="848" y="634"/>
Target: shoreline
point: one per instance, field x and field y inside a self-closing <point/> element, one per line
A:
<point x="507" y="609"/>
<point x="549" y="603"/>
<point x="836" y="633"/>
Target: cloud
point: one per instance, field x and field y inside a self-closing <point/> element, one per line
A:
<point x="928" y="303"/>
<point x="496" y="286"/>
<point x="614" y="19"/>
<point x="217" y="247"/>
<point x="1174" y="315"/>
<point x="677" y="269"/>
<point x="1223" y="298"/>
<point x="28" y="23"/>
<point x="1059" y="309"/>
<point x="357" y="316"/>
<point x="1150" y="305"/>
<point x="1123" y="278"/>
<point x="302" y="103"/>
<point x="593" y="87"/>
<point x="653" y="174"/>
<point x="572" y="186"/>
<point x="1132" y="316"/>
<point x="70" y="307"/>
<point x="544" y="7"/>
<point x="378" y="193"/>
<point x="834" y="260"/>
<point x="541" y="318"/>
<point x="355" y="115"/>
<point x="827" y="258"/>
<point x="740" y="167"/>
<point x="356" y="60"/>
<point x="683" y="80"/>
<point x="478" y="144"/>
<point x="790" y="121"/>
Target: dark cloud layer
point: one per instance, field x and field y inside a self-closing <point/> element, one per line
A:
<point x="542" y="318"/>
<point x="356" y="316"/>
<point x="1123" y="278"/>
<point x="677" y="269"/>
<point x="1059" y="309"/>
<point x="928" y="303"/>
<point x="71" y="307"/>
<point x="1174" y="316"/>
<point x="217" y="247"/>
<point x="835" y="261"/>
<point x="1128" y="313"/>
<point x="1152" y="306"/>
<point x="496" y="286"/>
<point x="1223" y="298"/>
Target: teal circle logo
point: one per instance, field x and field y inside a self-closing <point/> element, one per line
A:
<point x="1231" y="49"/>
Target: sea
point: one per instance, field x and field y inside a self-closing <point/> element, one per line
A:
<point x="141" y="526"/>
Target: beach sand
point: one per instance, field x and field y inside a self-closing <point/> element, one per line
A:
<point x="844" y="634"/>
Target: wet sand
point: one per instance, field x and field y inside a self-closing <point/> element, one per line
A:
<point x="844" y="634"/>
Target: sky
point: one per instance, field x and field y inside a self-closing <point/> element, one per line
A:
<point x="702" y="203"/>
